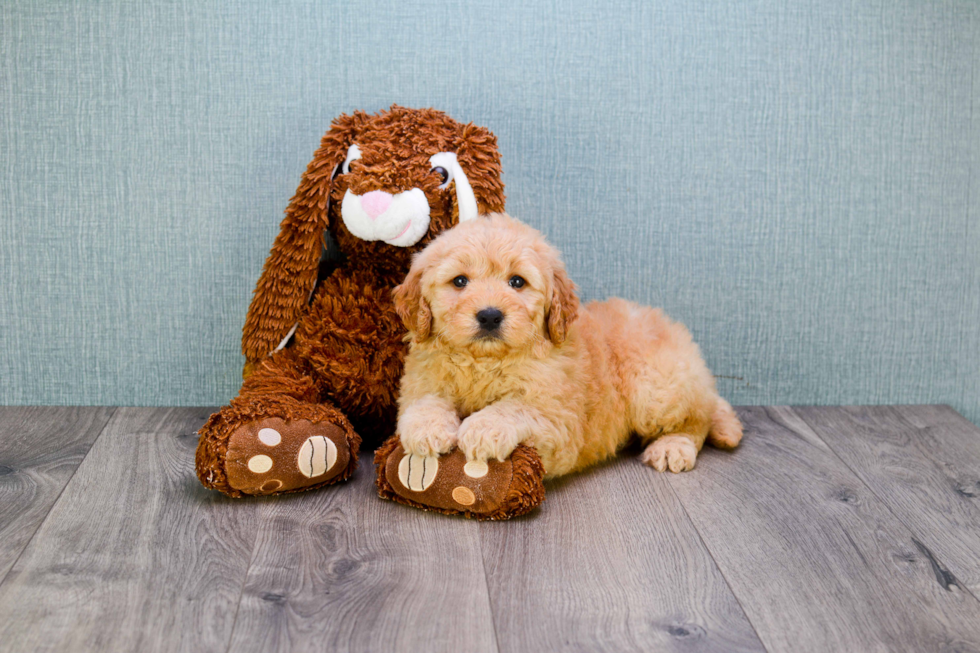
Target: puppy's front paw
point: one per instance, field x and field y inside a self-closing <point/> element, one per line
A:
<point x="484" y="435"/>
<point x="428" y="428"/>
<point x="674" y="452"/>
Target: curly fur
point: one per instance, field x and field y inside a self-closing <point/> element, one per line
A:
<point x="347" y="353"/>
<point x="573" y="383"/>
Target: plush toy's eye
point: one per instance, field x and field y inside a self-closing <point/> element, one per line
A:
<point x="353" y="154"/>
<point x="443" y="175"/>
<point x="517" y="282"/>
<point x="460" y="281"/>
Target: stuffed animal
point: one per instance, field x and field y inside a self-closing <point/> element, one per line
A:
<point x="489" y="490"/>
<point x="324" y="352"/>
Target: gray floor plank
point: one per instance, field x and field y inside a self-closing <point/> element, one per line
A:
<point x="609" y="562"/>
<point x="816" y="560"/>
<point x="40" y="448"/>
<point x="923" y="462"/>
<point x="135" y="555"/>
<point x="341" y="570"/>
<point x="830" y="529"/>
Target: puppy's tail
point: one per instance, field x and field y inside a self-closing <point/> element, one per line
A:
<point x="726" y="429"/>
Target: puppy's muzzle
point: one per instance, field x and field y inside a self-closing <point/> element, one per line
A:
<point x="489" y="321"/>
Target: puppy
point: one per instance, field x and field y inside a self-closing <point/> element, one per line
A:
<point x="499" y="354"/>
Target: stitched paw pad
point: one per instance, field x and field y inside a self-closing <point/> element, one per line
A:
<point x="271" y="455"/>
<point x="451" y="484"/>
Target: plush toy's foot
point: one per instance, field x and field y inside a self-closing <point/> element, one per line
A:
<point x="448" y="484"/>
<point x="273" y="456"/>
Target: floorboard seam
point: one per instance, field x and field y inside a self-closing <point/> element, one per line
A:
<point x="27" y="545"/>
<point x="914" y="532"/>
<point x="486" y="584"/>
<point x="248" y="571"/>
<point x="715" y="563"/>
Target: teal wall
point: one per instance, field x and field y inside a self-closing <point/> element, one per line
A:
<point x="792" y="179"/>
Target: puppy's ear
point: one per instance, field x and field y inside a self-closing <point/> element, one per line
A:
<point x="411" y="306"/>
<point x="563" y="308"/>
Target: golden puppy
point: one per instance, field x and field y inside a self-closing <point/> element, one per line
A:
<point x="501" y="354"/>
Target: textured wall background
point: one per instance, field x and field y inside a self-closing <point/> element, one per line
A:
<point x="794" y="180"/>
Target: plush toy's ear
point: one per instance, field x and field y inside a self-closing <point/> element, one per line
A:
<point x="283" y="291"/>
<point x="479" y="158"/>
<point x="411" y="306"/>
<point x="563" y="308"/>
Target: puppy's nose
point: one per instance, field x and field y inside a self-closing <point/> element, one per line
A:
<point x="490" y="319"/>
<point x="375" y="203"/>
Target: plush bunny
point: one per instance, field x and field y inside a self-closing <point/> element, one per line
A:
<point x="324" y="356"/>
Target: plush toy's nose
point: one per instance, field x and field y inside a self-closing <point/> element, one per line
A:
<point x="375" y="203"/>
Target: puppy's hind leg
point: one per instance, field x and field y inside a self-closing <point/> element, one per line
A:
<point x="676" y="452"/>
<point x="672" y="443"/>
<point x="673" y="431"/>
<point x="726" y="429"/>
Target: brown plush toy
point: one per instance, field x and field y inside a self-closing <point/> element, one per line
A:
<point x="450" y="485"/>
<point x="324" y="355"/>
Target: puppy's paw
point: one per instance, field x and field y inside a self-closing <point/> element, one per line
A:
<point x="485" y="435"/>
<point x="428" y="427"/>
<point x="674" y="452"/>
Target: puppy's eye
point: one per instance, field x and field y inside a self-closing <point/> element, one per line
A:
<point x="443" y="174"/>
<point x="460" y="281"/>
<point x="517" y="282"/>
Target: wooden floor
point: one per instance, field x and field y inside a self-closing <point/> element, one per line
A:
<point x="830" y="529"/>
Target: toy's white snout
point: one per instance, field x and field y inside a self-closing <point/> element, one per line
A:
<point x="400" y="220"/>
<point x="403" y="218"/>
